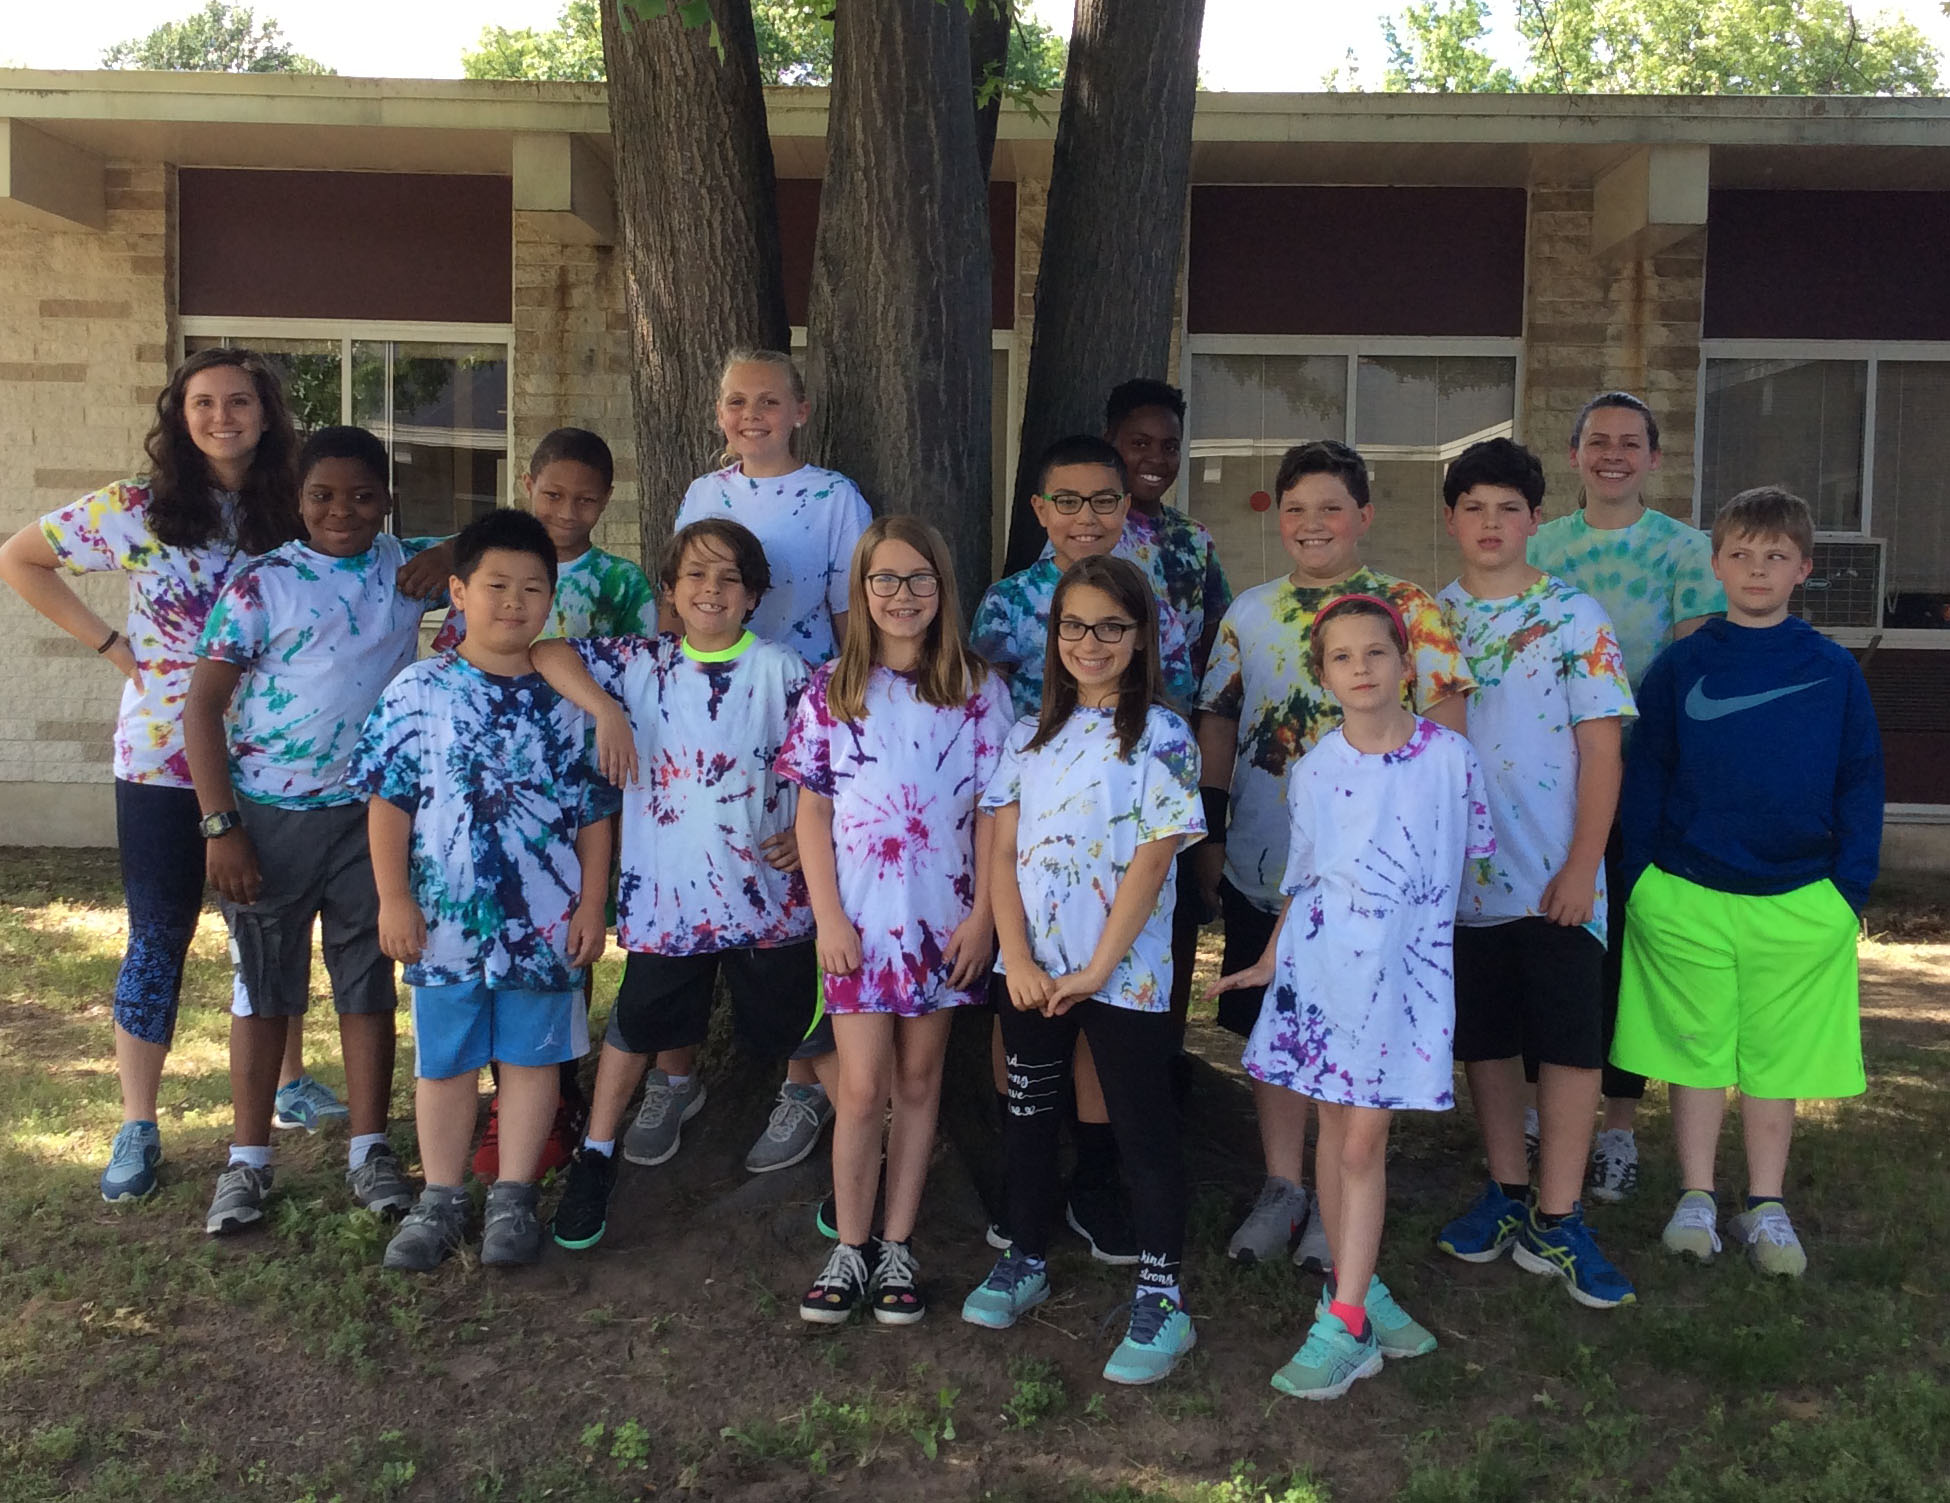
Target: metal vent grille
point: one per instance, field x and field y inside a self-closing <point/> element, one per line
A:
<point x="1845" y="588"/>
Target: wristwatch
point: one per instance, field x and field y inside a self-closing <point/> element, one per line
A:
<point x="213" y="825"/>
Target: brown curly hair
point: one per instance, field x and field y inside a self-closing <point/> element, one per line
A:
<point x="183" y="509"/>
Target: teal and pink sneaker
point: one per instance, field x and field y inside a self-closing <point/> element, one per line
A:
<point x="1330" y="1362"/>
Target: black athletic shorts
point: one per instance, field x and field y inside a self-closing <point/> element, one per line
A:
<point x="1531" y="988"/>
<point x="665" y="1000"/>
<point x="1248" y="928"/>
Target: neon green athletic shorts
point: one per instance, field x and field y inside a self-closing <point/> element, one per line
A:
<point x="1723" y="989"/>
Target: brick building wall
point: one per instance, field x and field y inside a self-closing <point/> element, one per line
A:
<point x="86" y="329"/>
<point x="1591" y="326"/>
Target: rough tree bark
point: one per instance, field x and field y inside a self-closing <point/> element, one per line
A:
<point x="989" y="25"/>
<point x="898" y="320"/>
<point x="696" y="199"/>
<point x="1115" y="225"/>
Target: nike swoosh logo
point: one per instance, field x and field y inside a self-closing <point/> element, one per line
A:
<point x="1702" y="706"/>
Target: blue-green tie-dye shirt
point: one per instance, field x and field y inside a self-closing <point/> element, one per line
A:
<point x="318" y="638"/>
<point x="1648" y="577"/>
<point x="499" y="775"/>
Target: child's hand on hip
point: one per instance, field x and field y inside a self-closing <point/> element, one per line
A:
<point x="402" y="929"/>
<point x="838" y="944"/>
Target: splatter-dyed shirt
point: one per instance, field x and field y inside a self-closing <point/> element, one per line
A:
<point x="808" y="523"/>
<point x="708" y="727"/>
<point x="171" y="593"/>
<point x="1084" y="813"/>
<point x="1648" y="576"/>
<point x="1260" y="678"/>
<point x="903" y="781"/>
<point x="596" y="595"/>
<point x="1011" y="630"/>
<point x="1544" y="660"/>
<point x="1179" y="550"/>
<point x="318" y="637"/>
<point x="1362" y="1007"/>
<point x="500" y="776"/>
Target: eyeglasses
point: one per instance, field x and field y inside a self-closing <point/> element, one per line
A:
<point x="1069" y="503"/>
<point x="1110" y="633"/>
<point x="921" y="586"/>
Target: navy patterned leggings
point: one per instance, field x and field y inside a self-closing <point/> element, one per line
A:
<point x="162" y="884"/>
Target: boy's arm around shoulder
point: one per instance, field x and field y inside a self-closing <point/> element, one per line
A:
<point x="1858" y="795"/>
<point x="564" y="670"/>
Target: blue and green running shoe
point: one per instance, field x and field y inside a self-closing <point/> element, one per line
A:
<point x="132" y="1161"/>
<point x="1485" y="1231"/>
<point x="1568" y="1251"/>
<point x="1159" y="1334"/>
<point x="1015" y="1286"/>
<point x="309" y="1104"/>
<point x="1330" y="1362"/>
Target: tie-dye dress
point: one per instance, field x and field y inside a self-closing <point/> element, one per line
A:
<point x="1362" y="1006"/>
<point x="904" y="781"/>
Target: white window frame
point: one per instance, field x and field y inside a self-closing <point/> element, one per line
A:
<point x="1353" y="347"/>
<point x="1873" y="354"/>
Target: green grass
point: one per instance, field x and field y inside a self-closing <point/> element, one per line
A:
<point x="139" y="1359"/>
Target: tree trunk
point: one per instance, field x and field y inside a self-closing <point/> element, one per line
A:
<point x="696" y="200"/>
<point x="1115" y="225"/>
<point x="899" y="314"/>
<point x="989" y="25"/>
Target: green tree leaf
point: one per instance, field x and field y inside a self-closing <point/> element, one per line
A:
<point x="220" y="38"/>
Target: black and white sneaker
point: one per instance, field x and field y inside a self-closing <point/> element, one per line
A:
<point x="1101" y="1215"/>
<point x="897" y="1297"/>
<point x="840" y="1289"/>
<point x="582" y="1215"/>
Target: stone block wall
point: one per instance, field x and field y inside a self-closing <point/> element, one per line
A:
<point x="571" y="362"/>
<point x="86" y="330"/>
<point x="1591" y="326"/>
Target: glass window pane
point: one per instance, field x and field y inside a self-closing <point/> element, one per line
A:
<point x="1912" y="490"/>
<point x="1413" y="414"/>
<point x="1794" y="423"/>
<point x="443" y="411"/>
<point x="1246" y="411"/>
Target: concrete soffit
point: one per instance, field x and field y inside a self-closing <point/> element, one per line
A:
<point x="49" y="181"/>
<point x="565" y="178"/>
<point x="1656" y="196"/>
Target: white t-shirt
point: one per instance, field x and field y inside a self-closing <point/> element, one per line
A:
<point x="318" y="639"/>
<point x="1085" y="811"/>
<point x="1544" y="660"/>
<point x="808" y="523"/>
<point x="1362" y="1007"/>
<point x="708" y="727"/>
<point x="903" y="781"/>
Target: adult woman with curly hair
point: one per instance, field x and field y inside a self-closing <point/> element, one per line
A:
<point x="221" y="486"/>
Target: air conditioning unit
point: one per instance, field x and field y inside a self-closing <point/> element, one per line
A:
<point x="1845" y="587"/>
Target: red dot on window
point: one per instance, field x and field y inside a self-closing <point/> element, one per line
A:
<point x="1260" y="501"/>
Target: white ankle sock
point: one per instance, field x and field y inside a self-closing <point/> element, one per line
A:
<point x="361" y="1145"/>
<point x="678" y="1082"/>
<point x="256" y="1158"/>
<point x="606" y="1147"/>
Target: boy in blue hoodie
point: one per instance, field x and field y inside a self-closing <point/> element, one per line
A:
<point x="1752" y="815"/>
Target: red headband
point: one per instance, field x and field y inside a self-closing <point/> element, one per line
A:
<point x="1401" y="626"/>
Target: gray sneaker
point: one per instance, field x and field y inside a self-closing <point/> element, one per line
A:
<point x="511" y="1232"/>
<point x="434" y="1228"/>
<point x="239" y="1200"/>
<point x="793" y="1130"/>
<point x="378" y="1184"/>
<point x="1312" y="1254"/>
<point x="1272" y="1224"/>
<point x="659" y="1125"/>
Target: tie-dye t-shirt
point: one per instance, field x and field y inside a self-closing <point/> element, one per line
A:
<point x="708" y="726"/>
<point x="318" y="637"/>
<point x="1260" y="677"/>
<point x="808" y="523"/>
<point x="596" y="595"/>
<point x="1362" y="1007"/>
<point x="1544" y="661"/>
<point x="903" y="781"/>
<point x="1179" y="550"/>
<point x="1084" y="812"/>
<point x="1648" y="576"/>
<point x="500" y="777"/>
<point x="171" y="593"/>
<point x="1011" y="630"/>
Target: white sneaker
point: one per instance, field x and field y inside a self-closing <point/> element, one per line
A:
<point x="1614" y="1165"/>
<point x="1772" y="1246"/>
<point x="1694" y="1229"/>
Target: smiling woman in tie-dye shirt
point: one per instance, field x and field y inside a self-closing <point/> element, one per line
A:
<point x="221" y="486"/>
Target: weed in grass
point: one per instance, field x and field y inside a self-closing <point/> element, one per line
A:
<point x="1037" y="1394"/>
<point x="824" y="1432"/>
